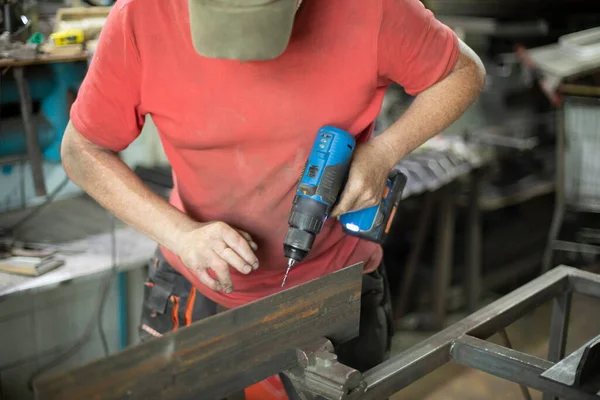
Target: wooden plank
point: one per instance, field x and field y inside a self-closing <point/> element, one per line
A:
<point x="223" y="354"/>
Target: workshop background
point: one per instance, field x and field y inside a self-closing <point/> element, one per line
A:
<point x="507" y="192"/>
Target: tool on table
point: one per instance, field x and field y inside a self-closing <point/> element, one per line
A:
<point x="320" y="185"/>
<point x="67" y="37"/>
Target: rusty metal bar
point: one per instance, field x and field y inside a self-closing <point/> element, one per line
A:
<point x="222" y="354"/>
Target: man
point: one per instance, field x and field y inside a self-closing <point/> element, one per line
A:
<point x="238" y="90"/>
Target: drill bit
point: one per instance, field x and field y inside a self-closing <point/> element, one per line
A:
<point x="291" y="263"/>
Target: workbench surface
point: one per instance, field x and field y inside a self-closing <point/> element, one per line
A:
<point x="84" y="258"/>
<point x="81" y="229"/>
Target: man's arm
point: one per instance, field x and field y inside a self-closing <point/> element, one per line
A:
<point x="432" y="111"/>
<point x="215" y="245"/>
<point x="101" y="173"/>
<point x="436" y="108"/>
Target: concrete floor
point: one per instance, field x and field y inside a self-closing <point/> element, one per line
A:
<point x="529" y="334"/>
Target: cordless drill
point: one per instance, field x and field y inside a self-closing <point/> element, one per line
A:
<point x="321" y="182"/>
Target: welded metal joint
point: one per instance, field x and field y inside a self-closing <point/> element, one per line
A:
<point x="319" y="374"/>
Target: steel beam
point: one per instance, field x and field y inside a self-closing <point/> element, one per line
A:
<point x="223" y="354"/>
<point x="511" y="365"/>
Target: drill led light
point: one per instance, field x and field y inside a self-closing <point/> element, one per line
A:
<point x="352" y="227"/>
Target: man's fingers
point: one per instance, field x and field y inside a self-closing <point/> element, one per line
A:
<point x="364" y="201"/>
<point x="234" y="260"/>
<point x="246" y="235"/>
<point x="347" y="201"/>
<point x="237" y="242"/>
<point x="221" y="269"/>
<point x="249" y="239"/>
<point x="205" y="278"/>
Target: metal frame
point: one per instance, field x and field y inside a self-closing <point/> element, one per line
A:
<point x="223" y="354"/>
<point x="463" y="342"/>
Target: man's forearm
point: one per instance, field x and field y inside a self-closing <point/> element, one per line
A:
<point x="434" y="109"/>
<point x="107" y="179"/>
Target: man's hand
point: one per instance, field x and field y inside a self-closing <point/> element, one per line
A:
<point x="369" y="170"/>
<point x="217" y="246"/>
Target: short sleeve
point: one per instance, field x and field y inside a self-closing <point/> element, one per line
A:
<point x="414" y="49"/>
<point x="106" y="110"/>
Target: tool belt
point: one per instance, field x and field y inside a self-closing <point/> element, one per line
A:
<point x="170" y="300"/>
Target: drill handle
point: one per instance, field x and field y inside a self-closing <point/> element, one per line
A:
<point x="373" y="224"/>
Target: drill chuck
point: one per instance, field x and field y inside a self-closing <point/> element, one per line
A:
<point x="297" y="244"/>
<point x="306" y="221"/>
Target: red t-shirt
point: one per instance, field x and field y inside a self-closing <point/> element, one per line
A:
<point x="238" y="133"/>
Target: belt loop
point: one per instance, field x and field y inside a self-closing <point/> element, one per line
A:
<point x="189" y="309"/>
<point x="175" y="312"/>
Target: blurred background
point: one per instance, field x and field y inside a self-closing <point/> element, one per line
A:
<point x="509" y="191"/>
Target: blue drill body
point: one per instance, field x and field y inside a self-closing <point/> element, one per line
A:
<point x="327" y="165"/>
<point x="319" y="188"/>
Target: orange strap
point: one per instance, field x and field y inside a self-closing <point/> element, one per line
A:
<point x="389" y="224"/>
<point x="189" y="308"/>
<point x="175" y="314"/>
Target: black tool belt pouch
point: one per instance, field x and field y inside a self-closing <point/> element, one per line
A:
<point x="373" y="344"/>
<point x="166" y="292"/>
